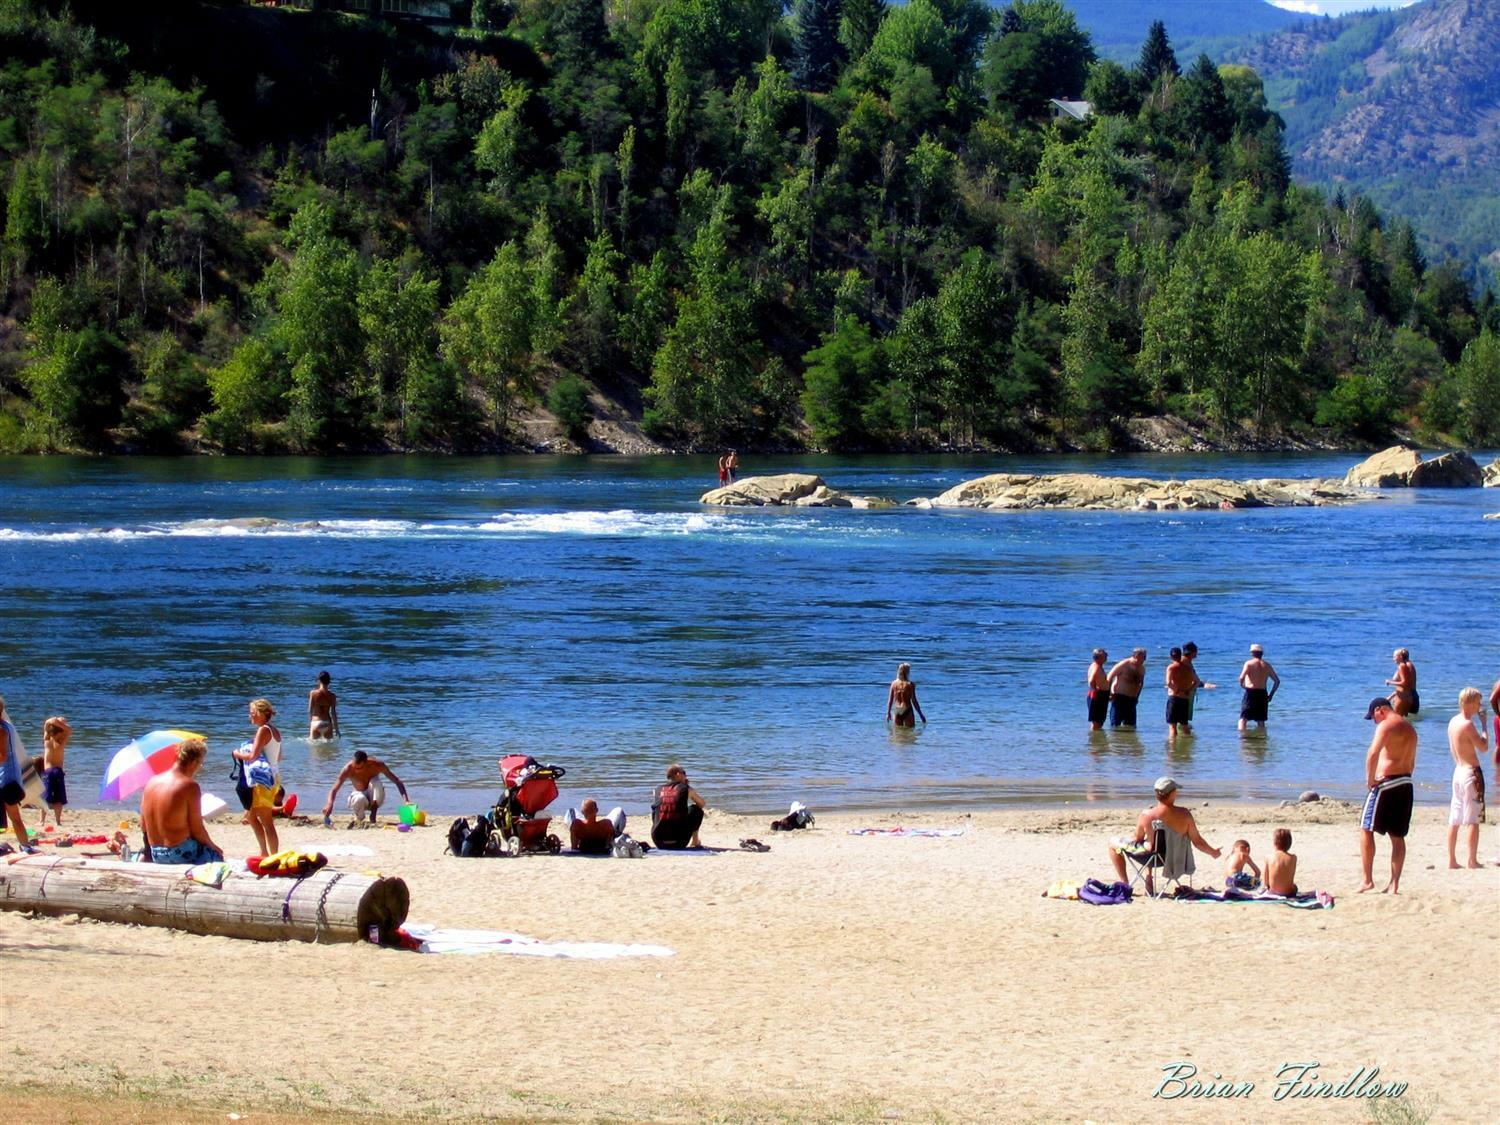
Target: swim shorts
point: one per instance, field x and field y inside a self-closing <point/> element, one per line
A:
<point x="1179" y="709"/>
<point x="12" y="794"/>
<point x="1467" y="806"/>
<point x="1255" y="704"/>
<point x="1388" y="807"/>
<point x="262" y="797"/>
<point x="360" y="800"/>
<point x="1122" y="710"/>
<point x="189" y="851"/>
<point x="54" y="787"/>
<point x="1098" y="706"/>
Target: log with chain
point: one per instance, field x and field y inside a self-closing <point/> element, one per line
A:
<point x="326" y="906"/>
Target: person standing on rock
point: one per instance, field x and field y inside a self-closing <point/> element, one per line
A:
<point x="1254" y="677"/>
<point x="723" y="469"/>
<point x="732" y="464"/>
<point x="1098" y="685"/>
<point x="1125" y="682"/>
<point x="1404" y="700"/>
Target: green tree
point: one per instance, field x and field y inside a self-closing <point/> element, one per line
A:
<point x="839" y="378"/>
<point x="398" y="313"/>
<point x="1047" y="56"/>
<point x="1157" y="57"/>
<point x="487" y="331"/>
<point x="858" y="23"/>
<point x="816" y="51"/>
<point x="247" y="392"/>
<point x="1478" y="379"/>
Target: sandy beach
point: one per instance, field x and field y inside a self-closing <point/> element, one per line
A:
<point x="836" y="977"/>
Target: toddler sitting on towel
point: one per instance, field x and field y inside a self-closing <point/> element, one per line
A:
<point x="1236" y="877"/>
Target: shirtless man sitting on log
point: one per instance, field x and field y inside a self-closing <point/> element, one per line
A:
<point x="172" y="814"/>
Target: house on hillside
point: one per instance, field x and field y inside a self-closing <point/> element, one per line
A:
<point x="428" y="11"/>
<point x="1065" y="110"/>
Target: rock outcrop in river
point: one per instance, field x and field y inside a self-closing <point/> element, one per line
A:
<point x="1400" y="466"/>
<point x="1492" y="474"/>
<point x="1091" y="491"/>
<point x="800" y="490"/>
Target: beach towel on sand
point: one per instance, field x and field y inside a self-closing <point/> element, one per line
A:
<point x="1311" y="900"/>
<point x="424" y="938"/>
<point x="903" y="831"/>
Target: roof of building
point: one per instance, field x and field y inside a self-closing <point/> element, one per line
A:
<point x="1077" y="110"/>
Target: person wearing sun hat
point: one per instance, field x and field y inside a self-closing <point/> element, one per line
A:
<point x="1254" y="677"/>
<point x="1165" y="810"/>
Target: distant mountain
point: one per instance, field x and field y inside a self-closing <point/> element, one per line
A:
<point x="1118" y="27"/>
<point x="1403" y="106"/>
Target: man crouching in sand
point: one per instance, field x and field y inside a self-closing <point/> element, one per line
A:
<point x="1388" y="766"/>
<point x="171" y="811"/>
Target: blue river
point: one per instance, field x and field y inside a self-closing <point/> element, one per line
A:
<point x="589" y="611"/>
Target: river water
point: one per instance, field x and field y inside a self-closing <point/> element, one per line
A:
<point x="591" y="612"/>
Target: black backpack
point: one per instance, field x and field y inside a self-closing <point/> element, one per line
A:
<point x="469" y="840"/>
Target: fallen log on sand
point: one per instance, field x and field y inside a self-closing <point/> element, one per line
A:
<point x="327" y="906"/>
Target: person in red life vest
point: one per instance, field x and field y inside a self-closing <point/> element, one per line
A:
<point x="676" y="812"/>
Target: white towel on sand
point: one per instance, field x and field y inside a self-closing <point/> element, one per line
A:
<point x="437" y="940"/>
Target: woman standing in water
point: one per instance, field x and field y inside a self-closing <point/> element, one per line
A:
<point x="262" y="758"/>
<point x="902" y="699"/>
<point x="1404" y="700"/>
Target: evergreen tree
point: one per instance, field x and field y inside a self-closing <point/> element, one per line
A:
<point x="1203" y="113"/>
<point x="1157" y="57"/>
<point x="815" y="47"/>
<point x="858" y="23"/>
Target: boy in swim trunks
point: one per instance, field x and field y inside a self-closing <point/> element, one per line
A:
<point x="1281" y="868"/>
<point x="55" y="734"/>
<point x="1466" y="742"/>
<point x="1235" y="875"/>
<point x="1388" y="768"/>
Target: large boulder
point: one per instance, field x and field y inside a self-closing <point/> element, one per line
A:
<point x="1390" y="468"/>
<point x="1402" y="467"/>
<point x="1002" y="491"/>
<point x="1492" y="474"/>
<point x="1451" y="470"/>
<point x="760" y="492"/>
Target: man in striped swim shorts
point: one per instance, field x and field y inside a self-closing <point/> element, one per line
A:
<point x="1388" y="768"/>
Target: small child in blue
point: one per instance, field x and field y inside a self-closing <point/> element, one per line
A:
<point x="55" y="734"/>
<point x="1237" y="878"/>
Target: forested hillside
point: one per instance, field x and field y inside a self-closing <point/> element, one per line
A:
<point x="849" y="226"/>
<point x="1118" y="27"/>
<point x="1404" y="106"/>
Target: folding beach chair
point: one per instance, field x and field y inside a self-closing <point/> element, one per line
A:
<point x="1167" y="854"/>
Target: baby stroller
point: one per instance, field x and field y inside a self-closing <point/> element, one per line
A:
<point x="530" y="787"/>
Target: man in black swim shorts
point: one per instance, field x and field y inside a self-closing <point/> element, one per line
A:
<point x="1254" y="678"/>
<point x="1388" y="768"/>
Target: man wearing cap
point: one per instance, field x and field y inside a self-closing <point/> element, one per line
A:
<point x="1254" y="676"/>
<point x="1166" y="811"/>
<point x="1125" y="682"/>
<point x="1388" y="768"/>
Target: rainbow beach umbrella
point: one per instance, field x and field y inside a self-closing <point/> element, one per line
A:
<point x="136" y="764"/>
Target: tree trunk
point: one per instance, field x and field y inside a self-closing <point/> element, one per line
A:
<point x="327" y="906"/>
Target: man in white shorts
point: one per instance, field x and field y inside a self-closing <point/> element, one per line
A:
<point x="1466" y="741"/>
<point x="363" y="772"/>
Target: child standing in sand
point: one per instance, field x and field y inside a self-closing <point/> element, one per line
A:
<point x="1281" y="868"/>
<point x="1236" y="876"/>
<point x="55" y="734"/>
